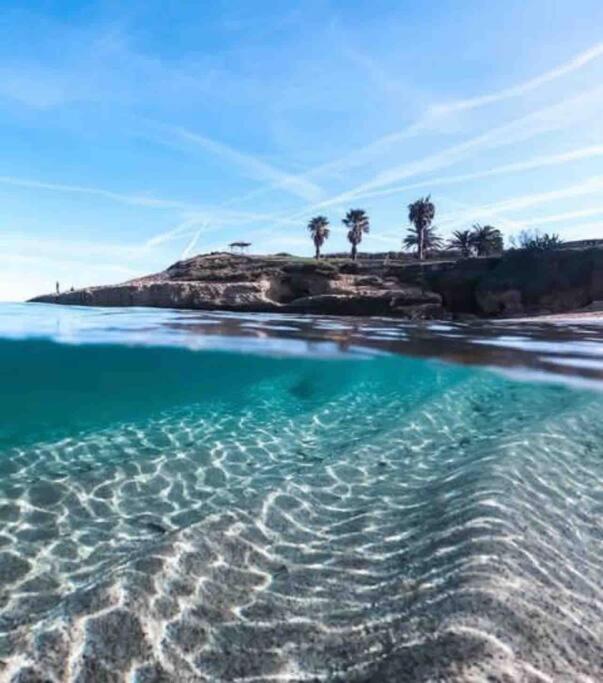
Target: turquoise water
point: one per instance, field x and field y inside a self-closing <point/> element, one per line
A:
<point x="206" y="497"/>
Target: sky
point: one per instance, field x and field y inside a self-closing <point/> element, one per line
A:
<point x="136" y="134"/>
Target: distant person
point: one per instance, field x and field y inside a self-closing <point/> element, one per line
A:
<point x="58" y="288"/>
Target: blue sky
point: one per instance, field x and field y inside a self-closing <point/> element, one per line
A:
<point x="133" y="134"/>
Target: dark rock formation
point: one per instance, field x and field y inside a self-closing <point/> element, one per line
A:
<point x="521" y="282"/>
<point x="518" y="283"/>
<point x="455" y="281"/>
<point x="541" y="282"/>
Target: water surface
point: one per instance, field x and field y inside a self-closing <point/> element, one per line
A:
<point x="213" y="497"/>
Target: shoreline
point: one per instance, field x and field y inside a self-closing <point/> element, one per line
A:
<point x="573" y="316"/>
<point x="568" y="317"/>
<point x="516" y="285"/>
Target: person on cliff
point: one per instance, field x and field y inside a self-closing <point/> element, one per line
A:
<point x="58" y="288"/>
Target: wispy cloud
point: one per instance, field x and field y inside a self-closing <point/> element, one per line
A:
<point x="541" y="161"/>
<point x="524" y="128"/>
<point x="210" y="221"/>
<point x="470" y="214"/>
<point x="183" y="229"/>
<point x="253" y="167"/>
<point x="577" y="62"/>
<point x="144" y="200"/>
<point x="194" y="214"/>
<point x="378" y="75"/>
<point x="360" y="155"/>
<point x="108" y="80"/>
<point x="191" y="245"/>
<point x="589" y="186"/>
<point x="564" y="216"/>
<point x="586" y="187"/>
<point x="85" y="251"/>
<point x="544" y="120"/>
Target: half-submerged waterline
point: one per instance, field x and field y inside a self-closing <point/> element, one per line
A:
<point x="190" y="512"/>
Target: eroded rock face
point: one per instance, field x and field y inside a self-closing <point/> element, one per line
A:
<point x="517" y="283"/>
<point x="541" y="282"/>
<point x="263" y="284"/>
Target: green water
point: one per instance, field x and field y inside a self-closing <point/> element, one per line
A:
<point x="171" y="511"/>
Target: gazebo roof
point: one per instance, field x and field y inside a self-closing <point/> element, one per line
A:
<point x="240" y="244"/>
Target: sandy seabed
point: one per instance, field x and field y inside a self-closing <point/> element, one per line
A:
<point x="453" y="534"/>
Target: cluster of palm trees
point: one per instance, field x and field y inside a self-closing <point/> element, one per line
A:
<point x="356" y="221"/>
<point x="481" y="240"/>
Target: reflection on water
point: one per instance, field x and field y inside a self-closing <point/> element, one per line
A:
<point x="570" y="349"/>
<point x="301" y="515"/>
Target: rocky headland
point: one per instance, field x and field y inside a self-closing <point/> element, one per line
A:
<point x="518" y="283"/>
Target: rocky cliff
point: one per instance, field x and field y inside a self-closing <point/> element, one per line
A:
<point x="514" y="284"/>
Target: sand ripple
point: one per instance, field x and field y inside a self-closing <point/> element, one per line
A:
<point x="367" y="537"/>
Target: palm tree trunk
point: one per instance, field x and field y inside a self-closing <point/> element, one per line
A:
<point x="353" y="252"/>
<point x="317" y="254"/>
<point x="420" y="243"/>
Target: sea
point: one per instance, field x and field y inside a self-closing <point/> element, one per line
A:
<point x="205" y="496"/>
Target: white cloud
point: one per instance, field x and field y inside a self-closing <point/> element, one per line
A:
<point x="470" y="214"/>
<point x="183" y="229"/>
<point x="144" y="77"/>
<point x="586" y="187"/>
<point x="542" y="161"/>
<point x="536" y="123"/>
<point x="191" y="245"/>
<point x="554" y="117"/>
<point x="591" y="185"/>
<point x="577" y="62"/>
<point x="563" y="216"/>
<point x="253" y="167"/>
<point x="143" y="200"/>
<point x="361" y="155"/>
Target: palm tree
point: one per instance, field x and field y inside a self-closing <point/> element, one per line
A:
<point x="357" y="223"/>
<point x="421" y="214"/>
<point x="486" y="240"/>
<point x="463" y="241"/>
<point x="319" y="231"/>
<point x="431" y="240"/>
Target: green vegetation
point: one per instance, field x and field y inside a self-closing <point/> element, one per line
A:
<point x="421" y="214"/>
<point x="357" y="223"/>
<point x="486" y="240"/>
<point x="319" y="231"/>
<point x="481" y="240"/>
<point x="462" y="240"/>
<point x="423" y="238"/>
<point x="534" y="240"/>
<point x="431" y="241"/>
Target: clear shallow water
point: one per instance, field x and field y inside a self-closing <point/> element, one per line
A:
<point x="195" y="497"/>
